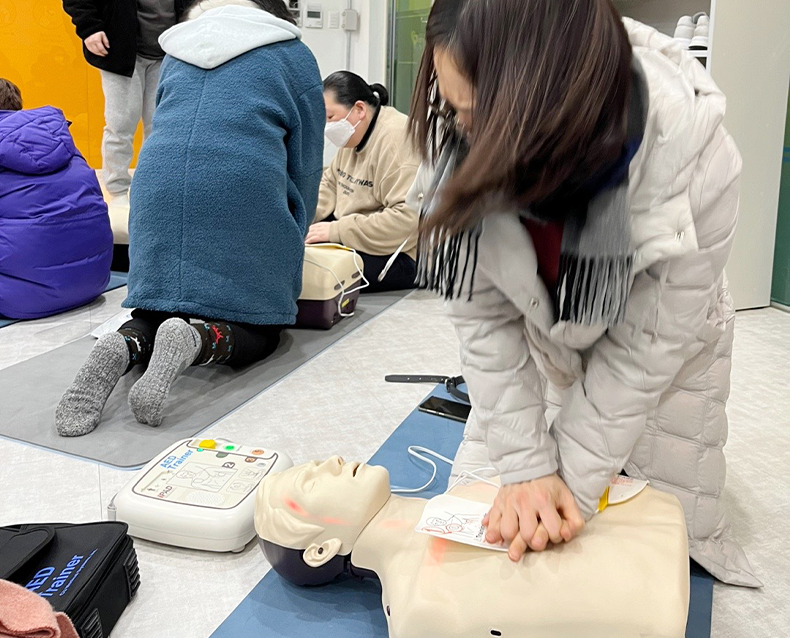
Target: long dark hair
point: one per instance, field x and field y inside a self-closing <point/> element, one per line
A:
<point x="276" y="7"/>
<point x="551" y="82"/>
<point x="348" y="89"/>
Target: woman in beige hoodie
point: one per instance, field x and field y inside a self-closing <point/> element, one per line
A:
<point x="362" y="199"/>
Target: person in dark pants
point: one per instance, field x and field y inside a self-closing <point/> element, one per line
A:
<point x="400" y="275"/>
<point x="234" y="344"/>
<point x="222" y="196"/>
<point x="362" y="199"/>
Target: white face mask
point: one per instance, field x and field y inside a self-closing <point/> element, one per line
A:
<point x="340" y="132"/>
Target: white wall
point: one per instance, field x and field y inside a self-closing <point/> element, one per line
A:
<point x="328" y="45"/>
<point x="751" y="64"/>
<point x="368" y="44"/>
<point x="750" y="61"/>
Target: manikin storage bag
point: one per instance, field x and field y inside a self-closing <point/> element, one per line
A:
<point x="87" y="571"/>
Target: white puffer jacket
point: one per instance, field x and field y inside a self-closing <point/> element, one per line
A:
<point x="647" y="395"/>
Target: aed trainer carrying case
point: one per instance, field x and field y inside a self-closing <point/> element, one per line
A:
<point x="88" y="571"/>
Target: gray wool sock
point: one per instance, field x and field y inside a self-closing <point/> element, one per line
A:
<point x="176" y="347"/>
<point x="79" y="411"/>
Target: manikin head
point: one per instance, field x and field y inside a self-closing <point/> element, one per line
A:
<point x="309" y="517"/>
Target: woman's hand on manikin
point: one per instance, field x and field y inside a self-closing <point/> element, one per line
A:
<point x="318" y="233"/>
<point x="530" y="514"/>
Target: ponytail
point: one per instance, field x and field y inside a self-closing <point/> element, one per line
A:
<point x="349" y="88"/>
<point x="380" y="91"/>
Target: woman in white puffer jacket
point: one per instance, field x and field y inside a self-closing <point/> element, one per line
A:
<point x="579" y="196"/>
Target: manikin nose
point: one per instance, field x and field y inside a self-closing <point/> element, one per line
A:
<point x="334" y="465"/>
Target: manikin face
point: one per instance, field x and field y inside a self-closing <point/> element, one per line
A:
<point x="454" y="87"/>
<point x="340" y="494"/>
<point x="320" y="507"/>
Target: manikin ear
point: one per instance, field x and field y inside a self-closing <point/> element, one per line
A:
<point x="316" y="555"/>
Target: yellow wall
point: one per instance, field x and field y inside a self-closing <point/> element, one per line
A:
<point x="40" y="53"/>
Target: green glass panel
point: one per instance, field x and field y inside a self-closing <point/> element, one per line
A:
<point x="409" y="42"/>
<point x="780" y="289"/>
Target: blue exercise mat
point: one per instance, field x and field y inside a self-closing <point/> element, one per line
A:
<point x="117" y="279"/>
<point x="700" y="603"/>
<point x="351" y="608"/>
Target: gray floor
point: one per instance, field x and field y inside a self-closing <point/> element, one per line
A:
<point x="339" y="403"/>
<point x="202" y="396"/>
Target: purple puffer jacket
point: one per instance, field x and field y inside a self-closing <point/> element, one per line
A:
<point x="55" y="237"/>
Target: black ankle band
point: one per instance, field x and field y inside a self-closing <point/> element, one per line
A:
<point x="217" y="342"/>
<point x="140" y="347"/>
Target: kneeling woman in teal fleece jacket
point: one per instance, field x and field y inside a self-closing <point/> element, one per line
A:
<point x="219" y="206"/>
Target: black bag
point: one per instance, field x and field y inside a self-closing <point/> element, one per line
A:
<point x="87" y="571"/>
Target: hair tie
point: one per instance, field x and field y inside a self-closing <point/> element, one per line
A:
<point x="376" y="93"/>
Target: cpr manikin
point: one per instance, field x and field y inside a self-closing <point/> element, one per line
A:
<point x="627" y="575"/>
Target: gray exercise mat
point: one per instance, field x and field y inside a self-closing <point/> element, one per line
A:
<point x="30" y="391"/>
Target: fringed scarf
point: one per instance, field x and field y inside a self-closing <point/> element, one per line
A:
<point x="596" y="259"/>
<point x="439" y="267"/>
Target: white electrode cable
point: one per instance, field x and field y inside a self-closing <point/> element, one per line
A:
<point x="365" y="282"/>
<point x="417" y="451"/>
<point x="392" y="259"/>
<point x="474" y="474"/>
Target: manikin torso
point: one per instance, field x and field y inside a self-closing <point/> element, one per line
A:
<point x="625" y="576"/>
